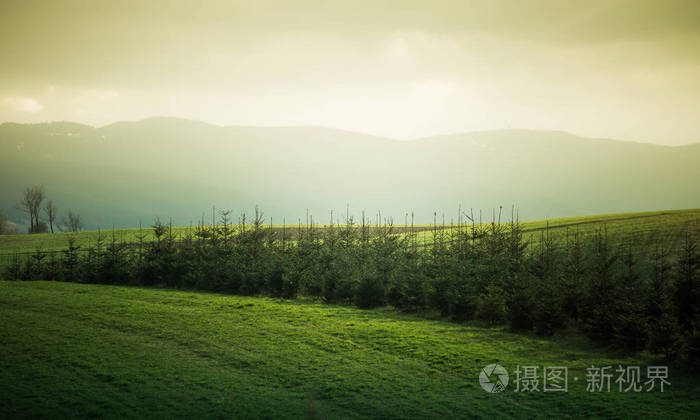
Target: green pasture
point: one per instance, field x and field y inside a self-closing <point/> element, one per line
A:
<point x="77" y="350"/>
<point x="623" y="226"/>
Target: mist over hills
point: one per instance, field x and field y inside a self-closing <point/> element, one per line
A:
<point x="123" y="173"/>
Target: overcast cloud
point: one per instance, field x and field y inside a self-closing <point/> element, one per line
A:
<point x="403" y="69"/>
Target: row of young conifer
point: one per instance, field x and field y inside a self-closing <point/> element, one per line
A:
<point x="486" y="272"/>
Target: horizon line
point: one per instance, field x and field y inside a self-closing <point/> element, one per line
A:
<point x="272" y="126"/>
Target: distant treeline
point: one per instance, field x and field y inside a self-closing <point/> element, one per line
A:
<point x="487" y="272"/>
<point x="33" y="205"/>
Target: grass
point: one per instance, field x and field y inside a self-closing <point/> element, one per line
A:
<point x="58" y="241"/>
<point x="624" y="226"/>
<point x="74" y="350"/>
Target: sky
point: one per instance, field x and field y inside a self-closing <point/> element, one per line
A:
<point x="402" y="69"/>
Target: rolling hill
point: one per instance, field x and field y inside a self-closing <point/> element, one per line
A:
<point x="123" y="173"/>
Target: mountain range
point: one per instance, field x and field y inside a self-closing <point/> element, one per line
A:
<point x="130" y="172"/>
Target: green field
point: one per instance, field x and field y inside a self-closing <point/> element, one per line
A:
<point x="58" y="241"/>
<point x="82" y="350"/>
<point x="640" y="226"/>
<point x="621" y="227"/>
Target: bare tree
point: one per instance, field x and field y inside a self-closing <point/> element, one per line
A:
<point x="51" y="210"/>
<point x="72" y="222"/>
<point x="31" y="204"/>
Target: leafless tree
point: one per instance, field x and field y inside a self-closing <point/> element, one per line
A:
<point x="51" y="210"/>
<point x="31" y="204"/>
<point x="72" y="222"/>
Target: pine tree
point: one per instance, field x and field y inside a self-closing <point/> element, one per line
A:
<point x="687" y="291"/>
<point x="600" y="314"/>
<point x="630" y="328"/>
<point x="663" y="325"/>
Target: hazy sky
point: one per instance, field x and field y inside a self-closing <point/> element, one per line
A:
<point x="403" y="69"/>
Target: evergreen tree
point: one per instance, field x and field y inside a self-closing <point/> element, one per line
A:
<point x="687" y="291"/>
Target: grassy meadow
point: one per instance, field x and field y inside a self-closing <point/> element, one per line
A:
<point x="639" y="226"/>
<point x="77" y="350"/>
<point x="71" y="349"/>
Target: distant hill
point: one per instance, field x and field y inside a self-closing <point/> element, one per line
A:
<point x="128" y="172"/>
